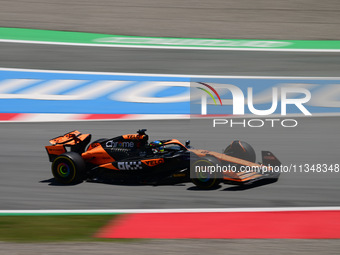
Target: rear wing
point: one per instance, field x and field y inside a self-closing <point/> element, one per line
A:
<point x="73" y="140"/>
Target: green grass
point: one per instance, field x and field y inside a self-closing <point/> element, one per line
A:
<point x="52" y="228"/>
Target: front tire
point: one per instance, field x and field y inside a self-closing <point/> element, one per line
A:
<point x="241" y="150"/>
<point x="204" y="179"/>
<point x="69" y="168"/>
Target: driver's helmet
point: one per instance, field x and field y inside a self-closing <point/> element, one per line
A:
<point x="156" y="147"/>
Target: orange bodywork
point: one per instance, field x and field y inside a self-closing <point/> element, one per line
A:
<point x="153" y="162"/>
<point x="55" y="149"/>
<point x="109" y="166"/>
<point x="174" y="141"/>
<point x="134" y="136"/>
<point x="97" y="156"/>
<point x="74" y="138"/>
<point x="93" y="145"/>
<point x="70" y="138"/>
<point x="223" y="157"/>
<point x="231" y="175"/>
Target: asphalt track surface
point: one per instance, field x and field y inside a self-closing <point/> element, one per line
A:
<point x="26" y="179"/>
<point x="169" y="61"/>
<point x="25" y="176"/>
<point x="300" y="20"/>
<point x="180" y="246"/>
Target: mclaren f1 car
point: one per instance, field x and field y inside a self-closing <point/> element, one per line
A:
<point x="131" y="158"/>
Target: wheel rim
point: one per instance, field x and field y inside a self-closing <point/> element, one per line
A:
<point x="203" y="177"/>
<point x="63" y="170"/>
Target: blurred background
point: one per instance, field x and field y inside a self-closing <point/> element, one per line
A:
<point x="25" y="172"/>
<point x="240" y="19"/>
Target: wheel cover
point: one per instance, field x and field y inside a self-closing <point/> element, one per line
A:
<point x="63" y="170"/>
<point x="203" y="177"/>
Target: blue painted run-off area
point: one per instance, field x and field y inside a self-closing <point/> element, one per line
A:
<point x="45" y="92"/>
<point x="51" y="92"/>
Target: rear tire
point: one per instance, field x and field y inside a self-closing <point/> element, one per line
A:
<point x="241" y="150"/>
<point x="69" y="168"/>
<point x="203" y="179"/>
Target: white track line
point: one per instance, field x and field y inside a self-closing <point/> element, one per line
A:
<point x="46" y="117"/>
<point x="51" y="87"/>
<point x="166" y="47"/>
<point x="169" y="75"/>
<point x="193" y="210"/>
<point x="7" y="86"/>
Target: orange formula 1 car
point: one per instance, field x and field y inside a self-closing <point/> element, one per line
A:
<point x="131" y="158"/>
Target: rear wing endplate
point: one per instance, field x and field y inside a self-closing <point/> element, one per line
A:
<point x="74" y="140"/>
